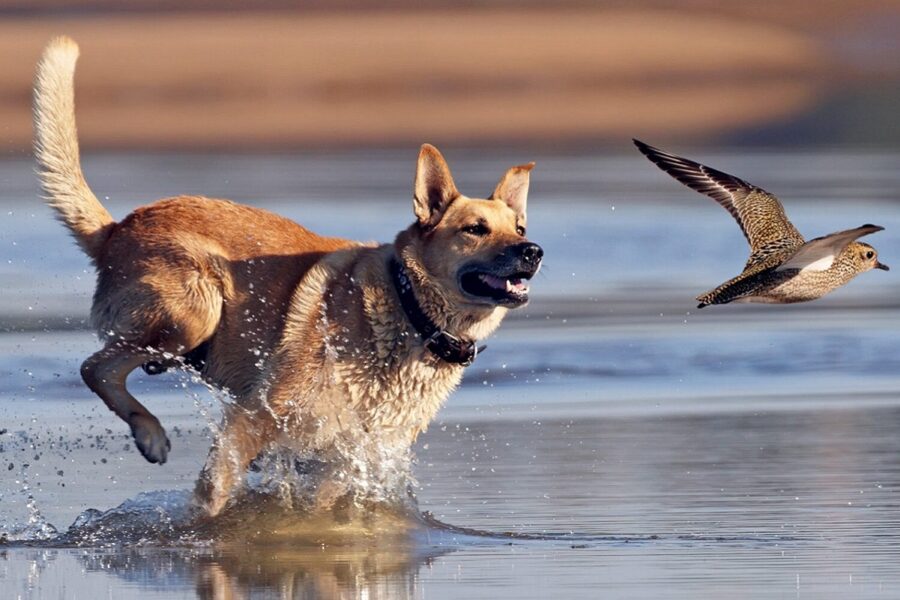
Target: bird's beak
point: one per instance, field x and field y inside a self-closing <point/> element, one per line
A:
<point x="882" y="266"/>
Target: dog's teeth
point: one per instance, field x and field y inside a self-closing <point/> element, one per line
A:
<point x="516" y="285"/>
<point x="510" y="286"/>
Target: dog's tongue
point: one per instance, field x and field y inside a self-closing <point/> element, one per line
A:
<point x="494" y="282"/>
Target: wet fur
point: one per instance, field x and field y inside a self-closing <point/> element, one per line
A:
<point x="304" y="331"/>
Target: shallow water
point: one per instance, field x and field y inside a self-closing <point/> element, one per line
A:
<point x="613" y="440"/>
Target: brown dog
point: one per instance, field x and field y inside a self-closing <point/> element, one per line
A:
<point x="358" y="343"/>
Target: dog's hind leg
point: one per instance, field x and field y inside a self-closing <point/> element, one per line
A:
<point x="105" y="373"/>
<point x="162" y="314"/>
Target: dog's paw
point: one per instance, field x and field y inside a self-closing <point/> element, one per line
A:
<point x="150" y="438"/>
<point x="207" y="500"/>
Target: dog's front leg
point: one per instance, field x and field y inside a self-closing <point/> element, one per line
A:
<point x="243" y="435"/>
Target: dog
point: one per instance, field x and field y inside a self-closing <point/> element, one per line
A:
<point x="318" y="339"/>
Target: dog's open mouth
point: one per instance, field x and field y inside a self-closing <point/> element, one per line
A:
<point x="511" y="289"/>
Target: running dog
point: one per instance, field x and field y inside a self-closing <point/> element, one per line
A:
<point x="318" y="339"/>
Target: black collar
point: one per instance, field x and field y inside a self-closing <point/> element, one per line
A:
<point x="447" y="347"/>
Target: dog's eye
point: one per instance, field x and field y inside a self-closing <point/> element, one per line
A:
<point x="520" y="230"/>
<point x="476" y="229"/>
<point x="870" y="254"/>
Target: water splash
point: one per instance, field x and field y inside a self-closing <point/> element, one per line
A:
<point x="294" y="496"/>
<point x="37" y="528"/>
<point x="150" y="518"/>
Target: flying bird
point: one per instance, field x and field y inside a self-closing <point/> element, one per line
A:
<point x="783" y="267"/>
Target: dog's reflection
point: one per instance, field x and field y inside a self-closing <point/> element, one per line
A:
<point x="363" y="569"/>
<point x="371" y="573"/>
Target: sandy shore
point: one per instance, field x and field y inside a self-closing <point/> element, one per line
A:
<point x="290" y="79"/>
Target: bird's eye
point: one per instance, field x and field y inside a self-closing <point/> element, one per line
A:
<point x="479" y="229"/>
<point x="520" y="230"/>
<point x="870" y="254"/>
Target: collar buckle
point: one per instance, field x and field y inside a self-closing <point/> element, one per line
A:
<point x="474" y="355"/>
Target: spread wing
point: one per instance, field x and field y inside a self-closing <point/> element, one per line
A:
<point x="819" y="254"/>
<point x="758" y="213"/>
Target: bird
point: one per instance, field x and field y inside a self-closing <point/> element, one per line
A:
<point x="783" y="267"/>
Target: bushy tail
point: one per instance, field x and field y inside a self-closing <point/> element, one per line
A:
<point x="56" y="149"/>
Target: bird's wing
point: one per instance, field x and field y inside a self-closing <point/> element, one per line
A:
<point x="759" y="213"/>
<point x="819" y="254"/>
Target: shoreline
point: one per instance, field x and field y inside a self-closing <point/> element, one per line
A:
<point x="297" y="79"/>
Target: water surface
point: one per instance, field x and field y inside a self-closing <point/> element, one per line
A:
<point x="613" y="441"/>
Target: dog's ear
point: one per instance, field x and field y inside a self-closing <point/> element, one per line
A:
<point x="513" y="189"/>
<point x="434" y="188"/>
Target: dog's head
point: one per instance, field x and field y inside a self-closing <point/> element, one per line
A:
<point x="474" y="251"/>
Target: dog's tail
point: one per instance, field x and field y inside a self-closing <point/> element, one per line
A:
<point x="56" y="149"/>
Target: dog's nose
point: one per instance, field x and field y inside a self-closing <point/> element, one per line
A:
<point x="531" y="253"/>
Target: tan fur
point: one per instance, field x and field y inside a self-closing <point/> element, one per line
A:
<point x="56" y="148"/>
<point x="305" y="332"/>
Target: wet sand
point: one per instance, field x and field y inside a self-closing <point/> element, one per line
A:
<point x="306" y="79"/>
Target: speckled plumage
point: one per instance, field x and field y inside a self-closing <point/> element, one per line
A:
<point x="783" y="267"/>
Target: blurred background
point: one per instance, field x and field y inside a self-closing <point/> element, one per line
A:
<point x="760" y="441"/>
<point x="274" y="74"/>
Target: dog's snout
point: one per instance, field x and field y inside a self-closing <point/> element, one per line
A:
<point x="531" y="253"/>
